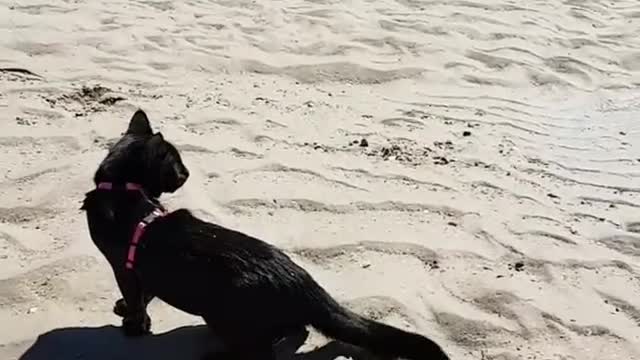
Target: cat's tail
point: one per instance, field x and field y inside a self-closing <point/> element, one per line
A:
<point x="337" y="322"/>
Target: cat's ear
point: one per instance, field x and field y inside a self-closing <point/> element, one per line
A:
<point x="139" y="124"/>
<point x="155" y="142"/>
<point x="156" y="139"/>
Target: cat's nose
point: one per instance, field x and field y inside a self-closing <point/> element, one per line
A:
<point x="182" y="178"/>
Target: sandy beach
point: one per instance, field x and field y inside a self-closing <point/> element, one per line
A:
<point x="469" y="170"/>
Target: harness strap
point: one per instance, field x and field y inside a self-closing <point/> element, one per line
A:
<point x="159" y="211"/>
<point x="127" y="186"/>
<point x="137" y="234"/>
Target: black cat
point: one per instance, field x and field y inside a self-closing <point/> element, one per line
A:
<point x="249" y="293"/>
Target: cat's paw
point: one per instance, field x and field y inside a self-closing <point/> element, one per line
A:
<point x="120" y="308"/>
<point x="137" y="325"/>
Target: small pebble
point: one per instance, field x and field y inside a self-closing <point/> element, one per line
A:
<point x="519" y="266"/>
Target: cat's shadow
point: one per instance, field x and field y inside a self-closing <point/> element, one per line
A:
<point x="188" y="342"/>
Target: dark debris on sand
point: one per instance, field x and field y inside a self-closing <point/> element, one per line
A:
<point x="86" y="100"/>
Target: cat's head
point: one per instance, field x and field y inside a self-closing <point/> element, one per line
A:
<point x="143" y="158"/>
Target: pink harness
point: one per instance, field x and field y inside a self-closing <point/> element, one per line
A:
<point x="140" y="228"/>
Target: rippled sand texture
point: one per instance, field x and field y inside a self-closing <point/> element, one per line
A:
<point x="495" y="208"/>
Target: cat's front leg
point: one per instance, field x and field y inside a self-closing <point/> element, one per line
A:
<point x="133" y="307"/>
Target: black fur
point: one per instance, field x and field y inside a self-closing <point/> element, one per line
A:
<point x="250" y="293"/>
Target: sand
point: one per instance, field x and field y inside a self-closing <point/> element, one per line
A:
<point x="495" y="207"/>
